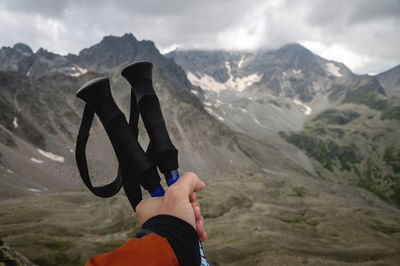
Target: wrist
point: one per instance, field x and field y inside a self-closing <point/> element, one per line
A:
<point x="180" y="235"/>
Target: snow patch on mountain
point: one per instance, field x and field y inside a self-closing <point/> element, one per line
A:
<point x="205" y="82"/>
<point x="238" y="84"/>
<point x="15" y="122"/>
<point x="297" y="71"/>
<point x="34" y="190"/>
<point x="211" y="112"/>
<point x="333" y="69"/>
<point x="228" y="67"/>
<point x="240" y="63"/>
<point x="306" y="109"/>
<point x="78" y="71"/>
<point x="36" y="160"/>
<point x="51" y="156"/>
<point x="257" y="122"/>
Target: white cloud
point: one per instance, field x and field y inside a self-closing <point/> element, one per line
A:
<point x="359" y="63"/>
<point x="337" y="52"/>
<point x="364" y="34"/>
<point x="170" y="48"/>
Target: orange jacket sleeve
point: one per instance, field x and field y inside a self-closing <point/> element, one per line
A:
<point x="151" y="249"/>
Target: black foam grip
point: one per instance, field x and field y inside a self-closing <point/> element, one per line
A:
<point x="139" y="75"/>
<point x="134" y="116"/>
<point x="131" y="157"/>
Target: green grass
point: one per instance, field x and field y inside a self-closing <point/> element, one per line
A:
<point x="351" y="142"/>
<point x="369" y="181"/>
<point x="326" y="152"/>
<point x="300" y="191"/>
<point x="391" y="113"/>
<point x="391" y="157"/>
<point x="58" y="246"/>
<point x="67" y="228"/>
<point x="336" y="117"/>
<point x="246" y="221"/>
<point x="386" y="229"/>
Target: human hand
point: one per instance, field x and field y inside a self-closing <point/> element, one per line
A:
<point x="179" y="201"/>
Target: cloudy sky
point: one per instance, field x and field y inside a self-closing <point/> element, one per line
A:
<point x="363" y="34"/>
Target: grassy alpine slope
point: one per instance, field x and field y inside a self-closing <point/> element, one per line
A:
<point x="251" y="218"/>
<point x="356" y="144"/>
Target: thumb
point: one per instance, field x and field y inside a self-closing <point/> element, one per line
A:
<point x="188" y="183"/>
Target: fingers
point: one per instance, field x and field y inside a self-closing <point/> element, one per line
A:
<point x="192" y="197"/>
<point x="196" y="210"/>
<point x="200" y="230"/>
<point x="183" y="188"/>
<point x="201" y="233"/>
<point x="189" y="182"/>
<point x="179" y="197"/>
<point x="199" y="227"/>
<point x="203" y="237"/>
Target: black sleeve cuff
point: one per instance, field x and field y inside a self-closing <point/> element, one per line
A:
<point x="180" y="235"/>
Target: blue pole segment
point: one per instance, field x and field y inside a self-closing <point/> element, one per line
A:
<point x="171" y="177"/>
<point x="159" y="192"/>
<point x="204" y="261"/>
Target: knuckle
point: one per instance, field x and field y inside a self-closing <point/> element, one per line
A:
<point x="173" y="191"/>
<point x="191" y="174"/>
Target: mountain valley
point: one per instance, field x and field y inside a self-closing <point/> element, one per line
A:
<point x="301" y="157"/>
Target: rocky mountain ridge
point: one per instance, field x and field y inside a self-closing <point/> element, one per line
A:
<point x="390" y="80"/>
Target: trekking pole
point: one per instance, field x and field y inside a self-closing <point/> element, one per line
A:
<point x="135" y="167"/>
<point x="160" y="149"/>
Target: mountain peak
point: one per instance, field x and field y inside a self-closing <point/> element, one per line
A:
<point x="294" y="55"/>
<point x="395" y="69"/>
<point x="390" y="80"/>
<point x="111" y="44"/>
<point x="127" y="37"/>
<point x="23" y="48"/>
<point x="113" y="51"/>
<point x="44" y="53"/>
<point x="295" y="47"/>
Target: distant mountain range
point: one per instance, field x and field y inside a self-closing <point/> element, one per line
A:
<point x="229" y="110"/>
<point x="347" y="124"/>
